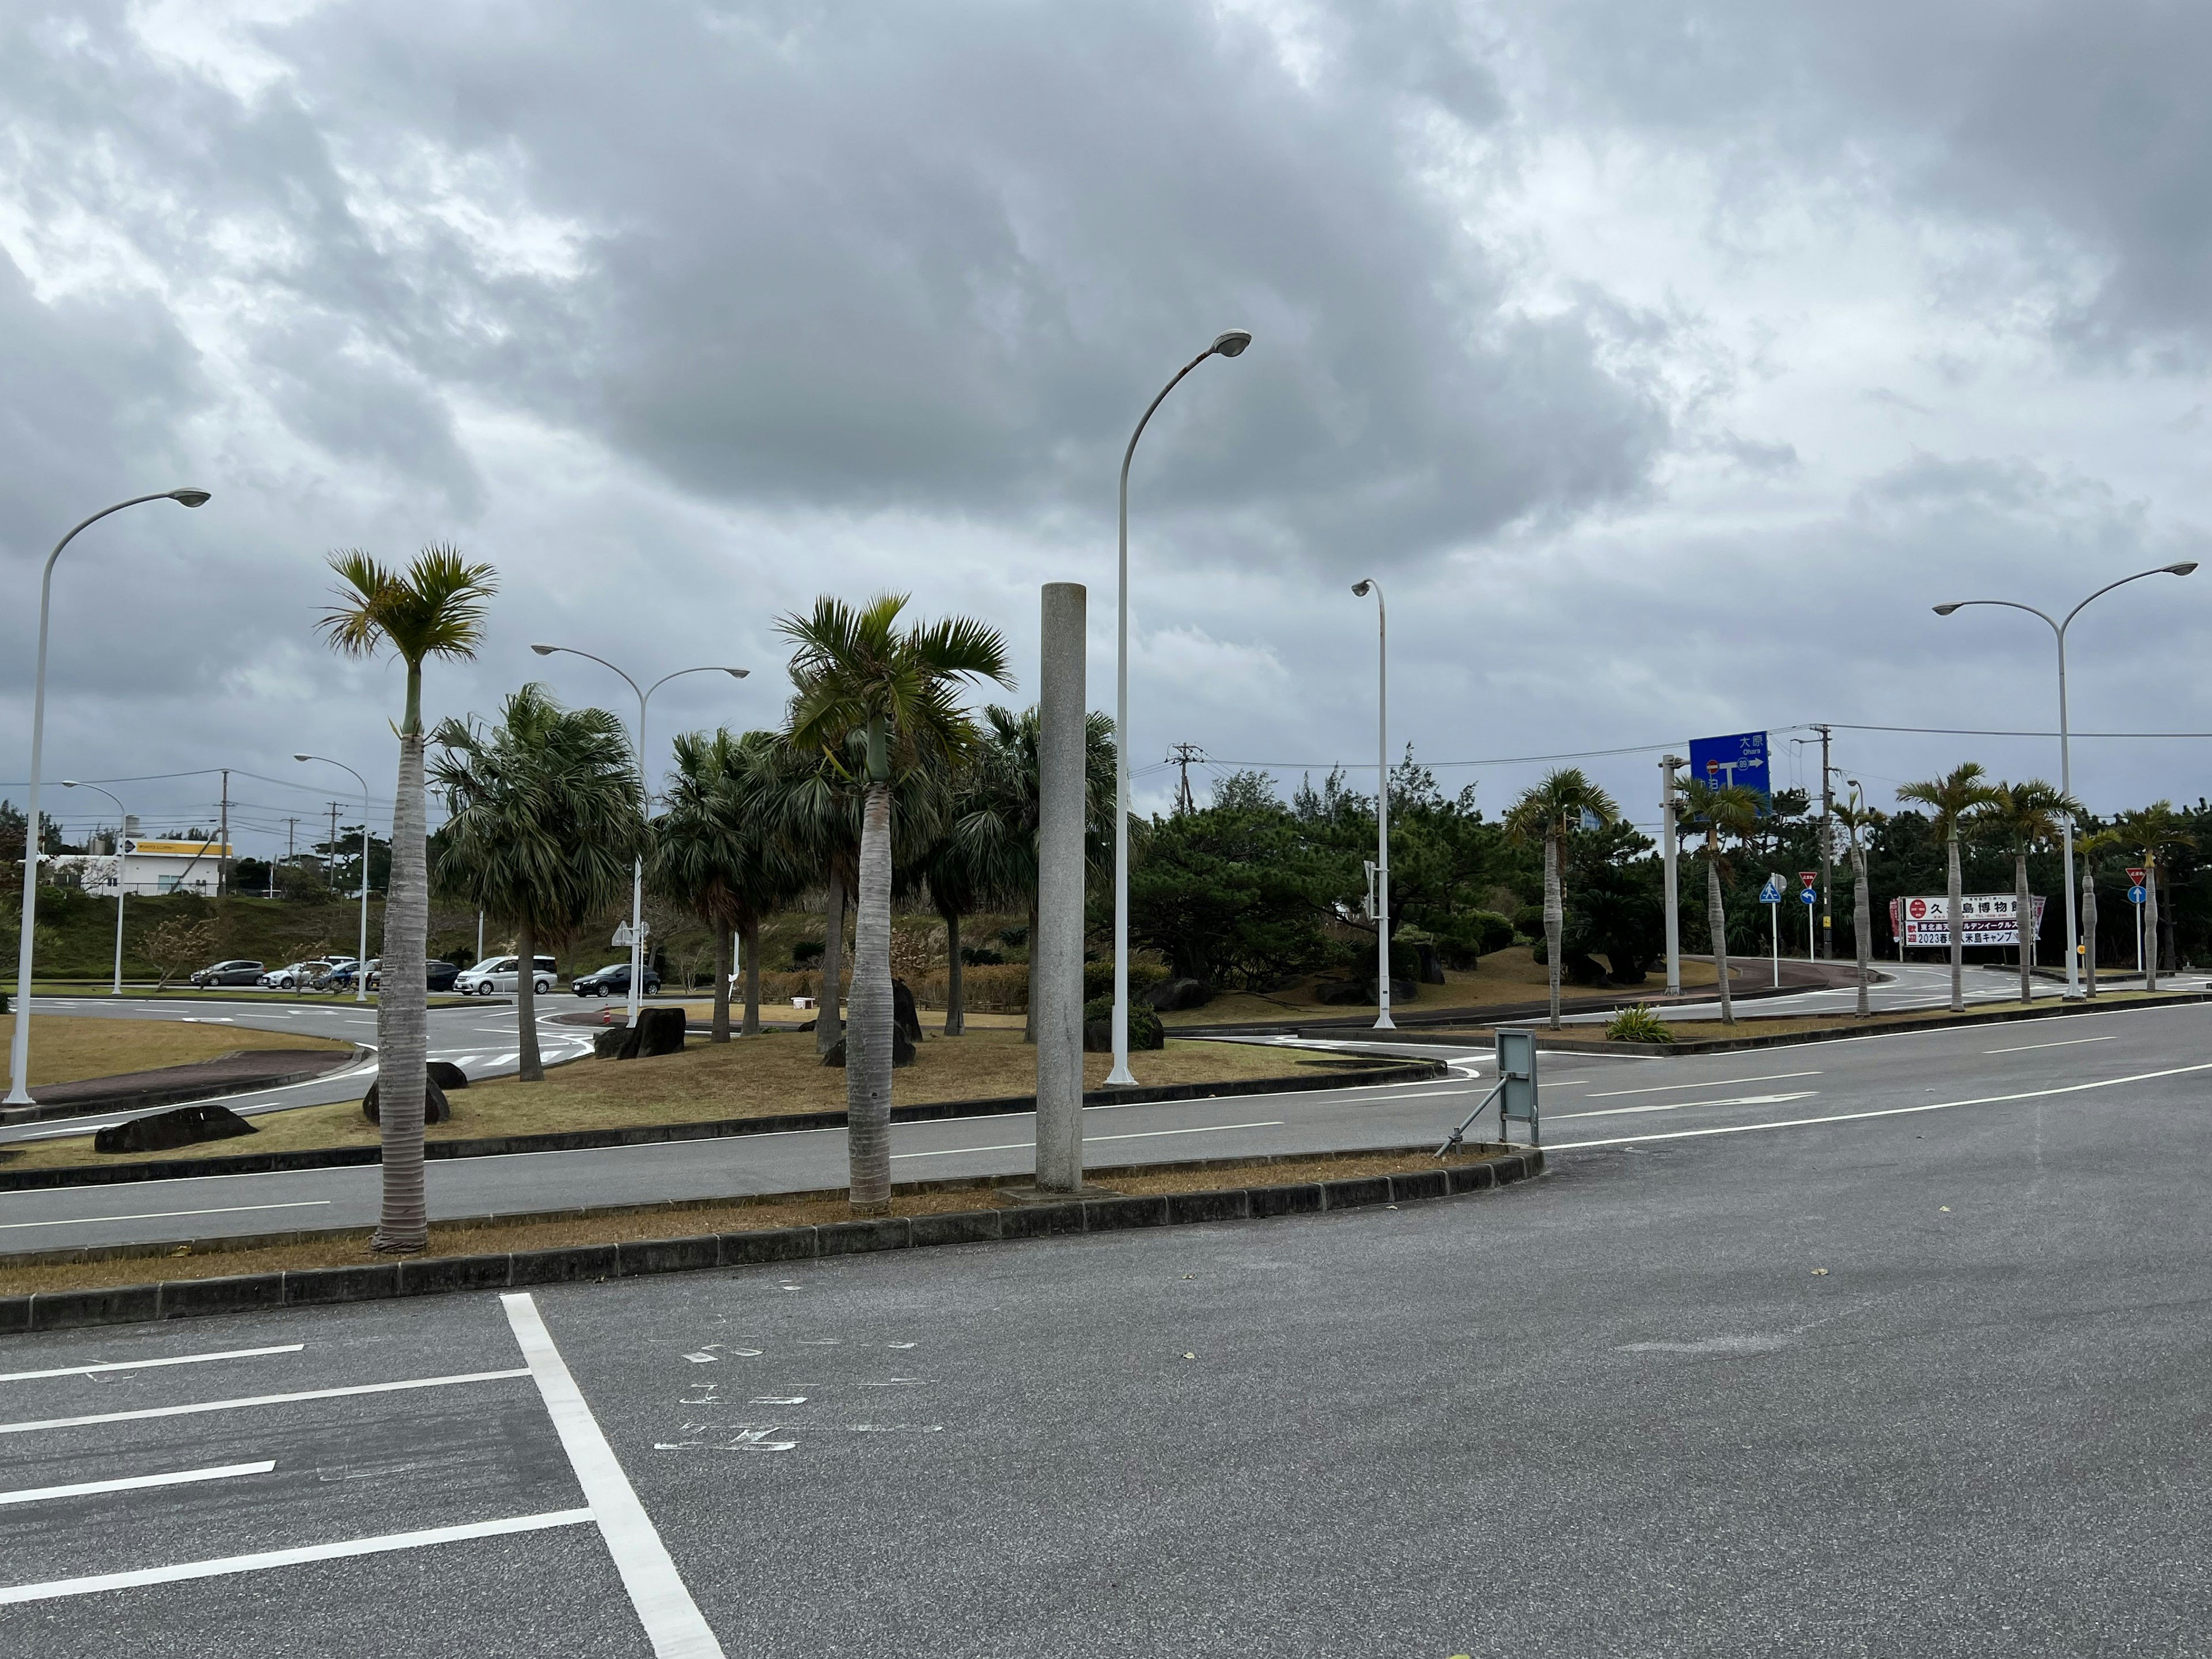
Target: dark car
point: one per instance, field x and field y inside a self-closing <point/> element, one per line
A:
<point x="613" y="980"/>
<point x="239" y="972"/>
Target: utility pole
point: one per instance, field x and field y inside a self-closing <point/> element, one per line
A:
<point x="1667" y="763"/>
<point x="223" y="843"/>
<point x="1827" y="850"/>
<point x="330" y="864"/>
<point x="291" y="841"/>
<point x="1184" y="754"/>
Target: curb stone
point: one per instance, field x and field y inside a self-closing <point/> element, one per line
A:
<point x="125" y="1305"/>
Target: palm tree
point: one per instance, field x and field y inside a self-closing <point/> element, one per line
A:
<point x="1732" y="809"/>
<point x="1551" y="811"/>
<point x="2151" y="831"/>
<point x="715" y="851"/>
<point x="2022" y="818"/>
<point x="818" y="813"/>
<point x="544" y="824"/>
<point x="1856" y="819"/>
<point x="2091" y="848"/>
<point x="434" y="607"/>
<point x="1954" y="796"/>
<point x="859" y="671"/>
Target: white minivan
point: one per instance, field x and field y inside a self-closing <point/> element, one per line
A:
<point x="497" y="974"/>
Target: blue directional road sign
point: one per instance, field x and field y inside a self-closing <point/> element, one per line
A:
<point x="1770" y="894"/>
<point x="1809" y="895"/>
<point x="2136" y="895"/>
<point x="1740" y="759"/>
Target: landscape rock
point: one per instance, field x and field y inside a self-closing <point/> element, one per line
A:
<point x="904" y="1014"/>
<point x="1431" y="963"/>
<point x="1172" y="995"/>
<point x="435" y="1108"/>
<point x="448" y="1076"/>
<point x="1335" y="991"/>
<point x="902" y="1050"/>
<point x="657" y="1031"/>
<point x="162" y="1131"/>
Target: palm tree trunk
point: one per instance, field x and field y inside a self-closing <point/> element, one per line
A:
<point x="1955" y="902"/>
<point x="1862" y="920"/>
<point x="2150" y="921"/>
<point x="827" y="1027"/>
<point x="1716" y="924"/>
<point x="532" y="1066"/>
<point x="868" y="1038"/>
<point x="956" y="989"/>
<point x="2089" y="926"/>
<point x="402" y="1018"/>
<point x="721" y="1031"/>
<point x="748" y="931"/>
<point x="2021" y="904"/>
<point x="1554" y="914"/>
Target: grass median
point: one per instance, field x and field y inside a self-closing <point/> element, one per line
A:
<point x="765" y="1076"/>
<point x="67" y="1049"/>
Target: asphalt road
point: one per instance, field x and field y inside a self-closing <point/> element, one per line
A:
<point x="1900" y="986"/>
<point x="1586" y="1099"/>
<point x="1926" y="1383"/>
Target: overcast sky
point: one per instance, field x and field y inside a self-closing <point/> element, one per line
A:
<point x="1666" y="361"/>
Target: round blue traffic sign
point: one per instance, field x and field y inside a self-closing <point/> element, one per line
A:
<point x="1809" y="896"/>
<point x="2136" y="895"/>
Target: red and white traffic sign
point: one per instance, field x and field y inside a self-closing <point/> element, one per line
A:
<point x="1808" y="877"/>
<point x="2135" y="877"/>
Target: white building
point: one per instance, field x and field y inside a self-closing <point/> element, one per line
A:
<point x="144" y="867"/>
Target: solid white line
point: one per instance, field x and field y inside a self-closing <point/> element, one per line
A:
<point x="165" y="1215"/>
<point x="215" y="1569"/>
<point x="1887" y="1111"/>
<point x="39" y="1494"/>
<point x="257" y="1400"/>
<point x="2070" y="1042"/>
<point x="671" y="1619"/>
<point x="1709" y="1082"/>
<point x="1687" y="1105"/>
<point x="148" y="1365"/>
<point x="1142" y="1134"/>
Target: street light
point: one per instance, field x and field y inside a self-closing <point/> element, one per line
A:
<point x="645" y="795"/>
<point x="18" y="1056"/>
<point x="2065" y="760"/>
<point x="121" y="869"/>
<point x="1230" y="344"/>
<point x="1381" y="800"/>
<point x="360" y="960"/>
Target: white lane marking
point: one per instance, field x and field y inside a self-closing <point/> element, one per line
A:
<point x="228" y="1471"/>
<point x="230" y="1563"/>
<point x="1687" y="1105"/>
<point x="1709" y="1082"/>
<point x="671" y="1619"/>
<point x="166" y="1215"/>
<point x="1146" y="1134"/>
<point x="2070" y="1042"/>
<point x="148" y="1365"/>
<point x="199" y="1406"/>
<point x="1887" y="1111"/>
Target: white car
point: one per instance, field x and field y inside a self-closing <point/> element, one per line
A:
<point x="497" y="974"/>
<point x="296" y="975"/>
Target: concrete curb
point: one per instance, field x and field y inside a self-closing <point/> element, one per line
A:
<point x="124" y="1304"/>
<point x="653" y="1134"/>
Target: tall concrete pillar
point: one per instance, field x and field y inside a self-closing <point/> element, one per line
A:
<point x="1056" y="953"/>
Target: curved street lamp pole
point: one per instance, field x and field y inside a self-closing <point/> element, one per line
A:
<point x="2058" y="627"/>
<point x="18" y="1056"/>
<point x="1382" y="801"/>
<point x="645" y="797"/>
<point x="361" y="959"/>
<point x="1229" y="345"/>
<point x="121" y="869"/>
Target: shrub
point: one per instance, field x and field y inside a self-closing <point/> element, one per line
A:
<point x="1528" y="920"/>
<point x="1145" y="1031"/>
<point x="981" y="956"/>
<point x="806" y="951"/>
<point x="1098" y="979"/>
<point x="1637" y="1025"/>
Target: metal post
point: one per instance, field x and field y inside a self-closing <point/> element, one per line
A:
<point x="19" y="1054"/>
<point x="1827" y="852"/>
<point x="1774" y="936"/>
<point x="1228" y="345"/>
<point x="1383" y="1022"/>
<point x="1056" y="953"/>
<point x="1667" y="834"/>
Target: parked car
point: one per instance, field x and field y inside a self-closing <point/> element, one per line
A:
<point x="613" y="980"/>
<point x="295" y="976"/>
<point x="497" y="974"/>
<point x="237" y="972"/>
<point x="336" y="974"/>
<point x="438" y="974"/>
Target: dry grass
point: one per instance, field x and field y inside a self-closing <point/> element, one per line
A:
<point x="1510" y="975"/>
<point x="747" y="1077"/>
<point x="69" y="1049"/>
<point x="350" y="1249"/>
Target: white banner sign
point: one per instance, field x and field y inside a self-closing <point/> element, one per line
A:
<point x="1988" y="918"/>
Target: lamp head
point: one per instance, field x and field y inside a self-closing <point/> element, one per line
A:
<point x="68" y="783"/>
<point x="544" y="650"/>
<point x="303" y="757"/>
<point x="1363" y="588"/>
<point x="190" y="497"/>
<point x="1946" y="610"/>
<point x="1232" y="344"/>
<point x="2181" y="569"/>
<point x="737" y="673"/>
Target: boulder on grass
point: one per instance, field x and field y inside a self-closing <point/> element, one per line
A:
<point x="1333" y="991"/>
<point x="902" y="1050"/>
<point x="657" y="1031"/>
<point x="448" y="1076"/>
<point x="904" y="1015"/>
<point x="608" y="1044"/>
<point x="1173" y="995"/>
<point x="435" y="1108"/>
<point x="161" y="1132"/>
